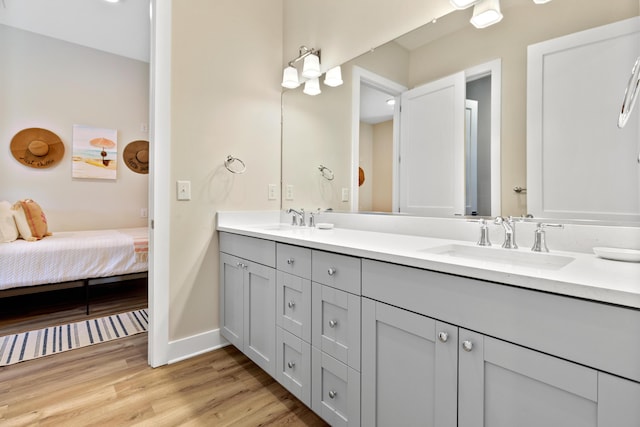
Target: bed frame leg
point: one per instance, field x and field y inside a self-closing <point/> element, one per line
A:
<point x="86" y="295"/>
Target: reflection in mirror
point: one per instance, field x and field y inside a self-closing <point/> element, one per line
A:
<point x="320" y="130"/>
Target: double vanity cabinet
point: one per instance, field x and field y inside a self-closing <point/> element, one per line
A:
<point x="368" y="342"/>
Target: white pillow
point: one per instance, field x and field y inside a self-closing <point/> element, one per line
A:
<point x="8" y="229"/>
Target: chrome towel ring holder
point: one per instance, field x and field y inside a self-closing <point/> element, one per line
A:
<point x="326" y="173"/>
<point x="630" y="95"/>
<point x="230" y="161"/>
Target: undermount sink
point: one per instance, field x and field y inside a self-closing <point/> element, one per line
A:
<point x="276" y="227"/>
<point x="513" y="257"/>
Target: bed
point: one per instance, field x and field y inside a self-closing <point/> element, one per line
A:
<point x="73" y="258"/>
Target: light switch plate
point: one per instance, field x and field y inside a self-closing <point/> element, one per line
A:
<point x="184" y="190"/>
<point x="272" y="192"/>
<point x="289" y="192"/>
<point x="345" y="194"/>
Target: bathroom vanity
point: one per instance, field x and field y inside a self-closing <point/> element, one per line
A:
<point x="371" y="328"/>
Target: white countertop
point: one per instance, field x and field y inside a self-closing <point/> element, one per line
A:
<point x="586" y="276"/>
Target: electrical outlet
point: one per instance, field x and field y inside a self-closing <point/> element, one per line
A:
<point x="272" y="192"/>
<point x="184" y="190"/>
<point x="289" y="192"/>
<point x="345" y="194"/>
<point x="144" y="127"/>
<point x="144" y="213"/>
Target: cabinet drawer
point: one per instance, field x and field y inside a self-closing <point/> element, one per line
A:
<point x="294" y="260"/>
<point x="294" y="365"/>
<point x="336" y="324"/>
<point x="338" y="271"/>
<point x="336" y="390"/>
<point x="250" y="248"/>
<point x="294" y="304"/>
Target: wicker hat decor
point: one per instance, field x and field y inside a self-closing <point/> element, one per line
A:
<point x="37" y="148"/>
<point x="136" y="156"/>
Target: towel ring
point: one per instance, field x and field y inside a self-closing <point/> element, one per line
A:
<point x="630" y="95"/>
<point x="326" y="173"/>
<point x="229" y="162"/>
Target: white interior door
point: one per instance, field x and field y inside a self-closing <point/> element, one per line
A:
<point x="579" y="163"/>
<point x="432" y="148"/>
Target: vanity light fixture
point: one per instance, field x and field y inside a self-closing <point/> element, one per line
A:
<point x="391" y="102"/>
<point x="312" y="87"/>
<point x="462" y="4"/>
<point x="311" y="68"/>
<point x="333" y="77"/>
<point x="486" y="13"/>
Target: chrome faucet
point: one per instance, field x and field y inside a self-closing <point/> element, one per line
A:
<point x="509" y="225"/>
<point x="539" y="240"/>
<point x="296" y="215"/>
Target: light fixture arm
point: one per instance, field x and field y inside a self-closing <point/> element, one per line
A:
<point x="303" y="52"/>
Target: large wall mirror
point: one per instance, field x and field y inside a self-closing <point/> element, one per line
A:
<point x="374" y="168"/>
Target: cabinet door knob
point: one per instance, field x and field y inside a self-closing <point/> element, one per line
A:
<point x="291" y="365"/>
<point x="241" y="265"/>
<point x="333" y="394"/>
<point x="291" y="304"/>
<point x="443" y="336"/>
<point x="290" y="261"/>
<point x="331" y="271"/>
<point x="333" y="323"/>
<point x="467" y="345"/>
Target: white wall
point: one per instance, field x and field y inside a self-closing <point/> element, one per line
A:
<point x="346" y="29"/>
<point x="54" y="84"/>
<point x="226" y="72"/>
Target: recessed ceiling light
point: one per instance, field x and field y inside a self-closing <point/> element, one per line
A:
<point x="391" y="102"/>
<point x="112" y="1"/>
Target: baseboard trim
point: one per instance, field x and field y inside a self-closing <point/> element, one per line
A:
<point x="195" y="345"/>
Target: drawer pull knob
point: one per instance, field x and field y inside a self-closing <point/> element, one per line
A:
<point x="291" y="365"/>
<point x="291" y="304"/>
<point x="290" y="261"/>
<point x="443" y="336"/>
<point x="333" y="323"/>
<point x="331" y="271"/>
<point x="241" y="265"/>
<point x="333" y="394"/>
<point x="467" y="346"/>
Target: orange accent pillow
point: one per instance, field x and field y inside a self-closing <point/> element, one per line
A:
<point x="31" y="220"/>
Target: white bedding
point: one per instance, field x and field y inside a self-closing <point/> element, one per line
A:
<point x="73" y="255"/>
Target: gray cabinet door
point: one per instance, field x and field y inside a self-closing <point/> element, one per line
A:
<point x="232" y="299"/>
<point x="618" y="401"/>
<point x="409" y="368"/>
<point x="260" y="316"/>
<point x="505" y="385"/>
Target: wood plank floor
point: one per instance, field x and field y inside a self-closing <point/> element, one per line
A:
<point x="110" y="384"/>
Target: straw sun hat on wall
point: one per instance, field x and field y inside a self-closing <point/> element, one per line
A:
<point x="37" y="148"/>
<point x="136" y="156"/>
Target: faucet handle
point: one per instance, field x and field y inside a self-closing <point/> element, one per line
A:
<point x="484" y="232"/>
<point x="540" y="241"/>
<point x="312" y="217"/>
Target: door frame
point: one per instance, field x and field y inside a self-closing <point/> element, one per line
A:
<point x="360" y="76"/>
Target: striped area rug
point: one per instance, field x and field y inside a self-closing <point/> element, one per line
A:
<point x="56" y="339"/>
